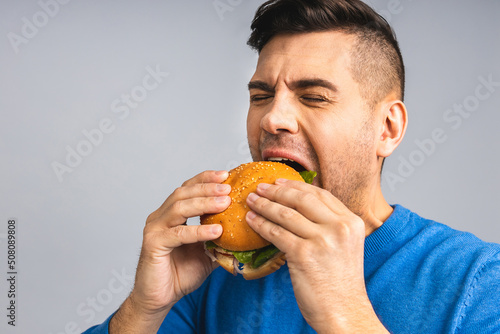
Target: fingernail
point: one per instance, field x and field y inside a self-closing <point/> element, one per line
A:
<point x="222" y="173"/>
<point x="216" y="229"/>
<point x="221" y="199"/>
<point x="263" y="186"/>
<point x="281" y="181"/>
<point x="223" y="187"/>
<point x="251" y="215"/>
<point x="252" y="197"/>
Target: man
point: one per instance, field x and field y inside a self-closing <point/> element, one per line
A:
<point x="327" y="92"/>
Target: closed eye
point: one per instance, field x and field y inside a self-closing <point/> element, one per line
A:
<point x="314" y="99"/>
<point x="259" y="97"/>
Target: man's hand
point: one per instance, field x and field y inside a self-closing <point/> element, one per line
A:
<point x="172" y="261"/>
<point x="324" y="246"/>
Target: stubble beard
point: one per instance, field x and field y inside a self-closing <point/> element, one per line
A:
<point x="352" y="176"/>
<point x="349" y="178"/>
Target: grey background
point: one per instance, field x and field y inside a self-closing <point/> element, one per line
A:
<point x="79" y="239"/>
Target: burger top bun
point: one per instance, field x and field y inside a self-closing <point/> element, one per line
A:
<point x="237" y="235"/>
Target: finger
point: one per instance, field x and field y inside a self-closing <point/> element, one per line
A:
<point x="208" y="176"/>
<point x="180" y="211"/>
<point x="198" y="190"/>
<point x="333" y="211"/>
<point x="182" y="235"/>
<point x="192" y="191"/>
<point x="326" y="197"/>
<point x="304" y="201"/>
<point x="286" y="217"/>
<point x="274" y="233"/>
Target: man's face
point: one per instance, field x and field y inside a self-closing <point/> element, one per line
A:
<point x="305" y="106"/>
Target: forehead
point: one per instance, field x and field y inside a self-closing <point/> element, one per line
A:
<point x="295" y="56"/>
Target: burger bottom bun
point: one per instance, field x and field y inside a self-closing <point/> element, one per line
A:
<point x="267" y="268"/>
<point x="249" y="273"/>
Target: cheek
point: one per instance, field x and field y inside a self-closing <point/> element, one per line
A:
<point x="335" y="143"/>
<point x="324" y="142"/>
<point x="253" y="127"/>
<point x="323" y="134"/>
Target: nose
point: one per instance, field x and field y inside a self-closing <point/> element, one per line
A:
<point x="281" y="116"/>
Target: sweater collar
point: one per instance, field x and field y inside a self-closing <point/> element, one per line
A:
<point x="389" y="229"/>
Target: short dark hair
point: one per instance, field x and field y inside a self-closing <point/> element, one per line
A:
<point x="376" y="60"/>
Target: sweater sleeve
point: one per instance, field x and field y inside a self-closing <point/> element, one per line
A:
<point x="480" y="313"/>
<point x="181" y="319"/>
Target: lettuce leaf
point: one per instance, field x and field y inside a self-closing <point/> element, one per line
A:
<point x="265" y="254"/>
<point x="244" y="257"/>
<point x="308" y="176"/>
<point x="210" y="244"/>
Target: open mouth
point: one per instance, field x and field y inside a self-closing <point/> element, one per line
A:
<point x="289" y="162"/>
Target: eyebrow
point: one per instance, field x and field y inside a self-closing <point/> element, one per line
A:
<point x="304" y="83"/>
<point x="258" y="84"/>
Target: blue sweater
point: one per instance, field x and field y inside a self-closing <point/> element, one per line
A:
<point x="421" y="277"/>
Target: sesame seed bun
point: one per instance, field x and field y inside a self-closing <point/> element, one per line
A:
<point x="237" y="235"/>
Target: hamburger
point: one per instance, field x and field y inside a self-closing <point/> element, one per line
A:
<point x="240" y="249"/>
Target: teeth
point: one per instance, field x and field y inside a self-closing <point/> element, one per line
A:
<point x="279" y="159"/>
<point x="291" y="163"/>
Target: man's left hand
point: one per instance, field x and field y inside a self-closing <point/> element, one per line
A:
<point x="324" y="246"/>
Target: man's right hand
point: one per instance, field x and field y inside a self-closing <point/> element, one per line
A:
<point x="172" y="262"/>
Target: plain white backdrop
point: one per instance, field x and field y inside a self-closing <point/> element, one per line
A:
<point x="108" y="106"/>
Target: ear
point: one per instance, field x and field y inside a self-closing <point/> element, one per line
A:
<point x="393" y="127"/>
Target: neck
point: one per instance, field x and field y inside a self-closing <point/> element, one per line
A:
<point x="376" y="211"/>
